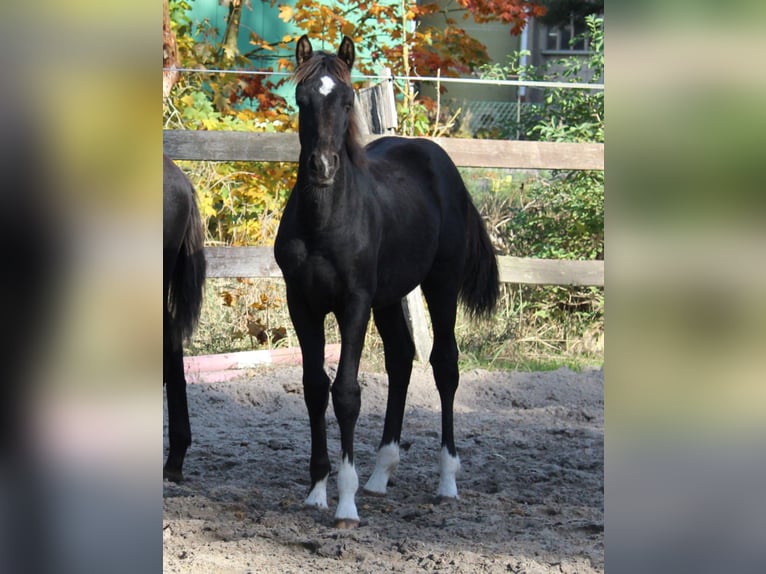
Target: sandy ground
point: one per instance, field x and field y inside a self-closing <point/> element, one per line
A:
<point x="531" y="486"/>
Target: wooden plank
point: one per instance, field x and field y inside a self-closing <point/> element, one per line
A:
<point x="523" y="154"/>
<point x="260" y="262"/>
<point x="550" y="271"/>
<point x="263" y="146"/>
<point x="241" y="262"/>
<point x="230" y="146"/>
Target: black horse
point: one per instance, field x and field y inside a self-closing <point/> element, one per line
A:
<point x="183" y="276"/>
<point x="362" y="228"/>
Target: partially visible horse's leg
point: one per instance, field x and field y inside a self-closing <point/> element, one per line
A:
<point x="346" y="401"/>
<point x="442" y="306"/>
<point x="179" y="429"/>
<point x="399" y="352"/>
<point x="316" y="392"/>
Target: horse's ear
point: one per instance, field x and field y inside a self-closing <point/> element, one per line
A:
<point x="303" y="50"/>
<point x="346" y="51"/>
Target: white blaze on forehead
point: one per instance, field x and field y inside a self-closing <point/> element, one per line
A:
<point x="327" y="85"/>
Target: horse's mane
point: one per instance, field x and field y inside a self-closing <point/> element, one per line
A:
<point x="324" y="63"/>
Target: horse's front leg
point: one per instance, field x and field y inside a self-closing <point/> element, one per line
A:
<point x="316" y="392"/>
<point x="346" y="400"/>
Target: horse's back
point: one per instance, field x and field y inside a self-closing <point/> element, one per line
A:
<point x="419" y="162"/>
<point x="409" y="151"/>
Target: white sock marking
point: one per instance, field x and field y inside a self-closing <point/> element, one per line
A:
<point x="318" y="495"/>
<point x="385" y="465"/>
<point x="449" y="466"/>
<point x="348" y="483"/>
<point x="327" y="85"/>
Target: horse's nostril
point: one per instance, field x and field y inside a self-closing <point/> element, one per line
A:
<point x="314" y="162"/>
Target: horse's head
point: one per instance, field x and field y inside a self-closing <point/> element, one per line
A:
<point x="325" y="100"/>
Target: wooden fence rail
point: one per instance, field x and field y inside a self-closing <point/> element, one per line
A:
<point x="263" y="146"/>
<point x="259" y="262"/>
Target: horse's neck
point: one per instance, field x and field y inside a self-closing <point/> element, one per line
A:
<point x="322" y="208"/>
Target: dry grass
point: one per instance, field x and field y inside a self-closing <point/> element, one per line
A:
<point x="520" y="336"/>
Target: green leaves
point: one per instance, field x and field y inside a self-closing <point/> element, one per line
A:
<point x="577" y="115"/>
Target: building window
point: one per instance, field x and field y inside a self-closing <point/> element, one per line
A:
<point x="559" y="38"/>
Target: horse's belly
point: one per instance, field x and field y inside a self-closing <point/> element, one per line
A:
<point x="398" y="276"/>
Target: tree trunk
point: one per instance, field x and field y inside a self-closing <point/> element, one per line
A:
<point x="169" y="53"/>
<point x="230" y="46"/>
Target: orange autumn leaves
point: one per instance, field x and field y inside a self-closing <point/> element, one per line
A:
<point x="515" y="12"/>
<point x="254" y="305"/>
<point x="378" y="30"/>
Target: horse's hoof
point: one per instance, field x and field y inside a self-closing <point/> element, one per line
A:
<point x="172" y="475"/>
<point x="346" y="523"/>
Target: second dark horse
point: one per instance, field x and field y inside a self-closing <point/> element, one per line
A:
<point x="183" y="276"/>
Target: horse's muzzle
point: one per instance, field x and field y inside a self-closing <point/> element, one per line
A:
<point x="322" y="168"/>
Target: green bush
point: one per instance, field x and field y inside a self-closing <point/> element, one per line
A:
<point x="562" y="218"/>
<point x="540" y="215"/>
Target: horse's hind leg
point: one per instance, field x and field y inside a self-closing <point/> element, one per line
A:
<point x="399" y="352"/>
<point x="179" y="429"/>
<point x="442" y="305"/>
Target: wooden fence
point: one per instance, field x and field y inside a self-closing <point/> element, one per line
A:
<point x="261" y="146"/>
<point x="284" y="147"/>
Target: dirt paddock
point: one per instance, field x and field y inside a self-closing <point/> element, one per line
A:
<point x="531" y="486"/>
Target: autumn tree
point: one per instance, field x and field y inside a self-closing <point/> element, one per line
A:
<point x="393" y="33"/>
<point x="515" y="12"/>
<point x="390" y="32"/>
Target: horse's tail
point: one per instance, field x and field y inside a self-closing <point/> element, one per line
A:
<point x="186" y="283"/>
<point x="480" y="288"/>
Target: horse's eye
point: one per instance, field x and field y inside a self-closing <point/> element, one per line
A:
<point x="300" y="98"/>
